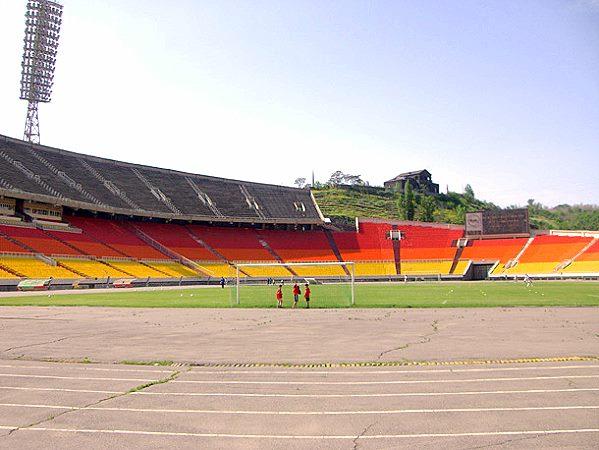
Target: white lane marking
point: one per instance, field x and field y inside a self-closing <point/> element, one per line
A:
<point x="303" y="413"/>
<point x="384" y="372"/>
<point x="346" y="383"/>
<point x="305" y="437"/>
<point x="20" y="375"/>
<point x="86" y="367"/>
<point x="87" y="391"/>
<point x="235" y="394"/>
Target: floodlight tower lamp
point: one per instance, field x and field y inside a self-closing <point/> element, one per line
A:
<point x="43" y="19"/>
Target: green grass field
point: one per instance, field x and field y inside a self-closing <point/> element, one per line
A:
<point x="398" y="295"/>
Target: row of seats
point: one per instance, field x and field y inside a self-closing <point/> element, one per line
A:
<point x="40" y="170"/>
<point x="215" y="248"/>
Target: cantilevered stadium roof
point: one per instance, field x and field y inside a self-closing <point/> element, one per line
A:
<point x="60" y="177"/>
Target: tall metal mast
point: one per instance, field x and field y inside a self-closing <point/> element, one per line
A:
<point x="42" y="30"/>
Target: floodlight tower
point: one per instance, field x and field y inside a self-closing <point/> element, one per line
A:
<point x="42" y="30"/>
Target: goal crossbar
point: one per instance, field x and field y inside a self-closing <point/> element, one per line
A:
<point x="349" y="266"/>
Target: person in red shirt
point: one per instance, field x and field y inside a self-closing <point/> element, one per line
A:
<point x="296" y="293"/>
<point x="279" y="296"/>
<point x="307" y="293"/>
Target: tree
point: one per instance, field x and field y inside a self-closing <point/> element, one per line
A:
<point x="425" y="212"/>
<point x="339" y="177"/>
<point x="300" y="182"/>
<point x="406" y="202"/>
<point x="469" y="192"/>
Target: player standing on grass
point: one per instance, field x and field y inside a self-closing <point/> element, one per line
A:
<point x="279" y="296"/>
<point x="307" y="293"/>
<point x="296" y="293"/>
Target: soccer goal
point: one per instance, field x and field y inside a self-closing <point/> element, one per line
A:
<point x="331" y="283"/>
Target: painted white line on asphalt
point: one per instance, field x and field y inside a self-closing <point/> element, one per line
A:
<point x="241" y="394"/>
<point x="305" y="437"/>
<point x="20" y="375"/>
<point x="376" y="372"/>
<point x="304" y="413"/>
<point x="87" y="391"/>
<point x="361" y="383"/>
<point x="85" y="367"/>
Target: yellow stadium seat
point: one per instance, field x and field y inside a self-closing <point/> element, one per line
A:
<point x="92" y="268"/>
<point x="319" y="271"/>
<point x="426" y="267"/>
<point x="461" y="267"/>
<point x="36" y="268"/>
<point x="218" y="269"/>
<point x="6" y="275"/>
<point x="137" y="269"/>
<point x="266" y="271"/>
<point x="532" y="268"/>
<point x="374" y="268"/>
<point x="173" y="269"/>
<point x="582" y="267"/>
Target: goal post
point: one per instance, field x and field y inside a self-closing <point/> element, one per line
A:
<point x="336" y="278"/>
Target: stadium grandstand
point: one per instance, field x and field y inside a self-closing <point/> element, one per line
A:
<point x="74" y="218"/>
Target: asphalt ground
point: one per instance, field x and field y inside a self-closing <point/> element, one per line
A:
<point x="298" y="336"/>
<point x="64" y="405"/>
<point x="229" y="386"/>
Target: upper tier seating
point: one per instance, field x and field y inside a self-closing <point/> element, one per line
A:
<point x="177" y="238"/>
<point x="587" y="262"/>
<point x="85" y="243"/>
<point x="299" y="246"/>
<point x="79" y="180"/>
<point x="116" y="236"/>
<point x="491" y="250"/>
<point x="7" y="246"/>
<point x="553" y="248"/>
<point x="369" y="244"/>
<point x="428" y="242"/>
<point x="235" y="244"/>
<point x="36" y="239"/>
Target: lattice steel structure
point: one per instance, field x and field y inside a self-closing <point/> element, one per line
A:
<point x="42" y="30"/>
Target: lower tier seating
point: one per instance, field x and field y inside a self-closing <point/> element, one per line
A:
<point x="137" y="269"/>
<point x="426" y="267"/>
<point x="374" y="268"/>
<point x="319" y="271"/>
<point x="92" y="268"/>
<point x="267" y="271"/>
<point x="582" y="267"/>
<point x="531" y="268"/>
<point x="173" y="269"/>
<point x="217" y="270"/>
<point x="32" y="267"/>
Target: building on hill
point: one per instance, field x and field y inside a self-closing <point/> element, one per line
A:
<point x="419" y="179"/>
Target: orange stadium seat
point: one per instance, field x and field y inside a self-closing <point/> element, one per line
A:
<point x="299" y="246"/>
<point x="116" y="236"/>
<point x="235" y="244"/>
<point x="177" y="238"/>
<point x="369" y="244"/>
<point x="39" y="241"/>
<point x="490" y="250"/>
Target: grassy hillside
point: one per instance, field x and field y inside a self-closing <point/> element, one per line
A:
<point x="348" y="202"/>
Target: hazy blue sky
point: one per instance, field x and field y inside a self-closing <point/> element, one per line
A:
<point x="502" y="94"/>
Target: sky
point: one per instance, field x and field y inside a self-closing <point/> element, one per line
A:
<point x="499" y="94"/>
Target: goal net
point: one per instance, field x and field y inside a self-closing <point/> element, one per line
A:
<point x="331" y="283"/>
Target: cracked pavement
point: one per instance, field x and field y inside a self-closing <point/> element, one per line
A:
<point x="296" y="336"/>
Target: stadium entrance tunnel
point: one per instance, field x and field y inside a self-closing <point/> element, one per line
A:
<point x="478" y="272"/>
